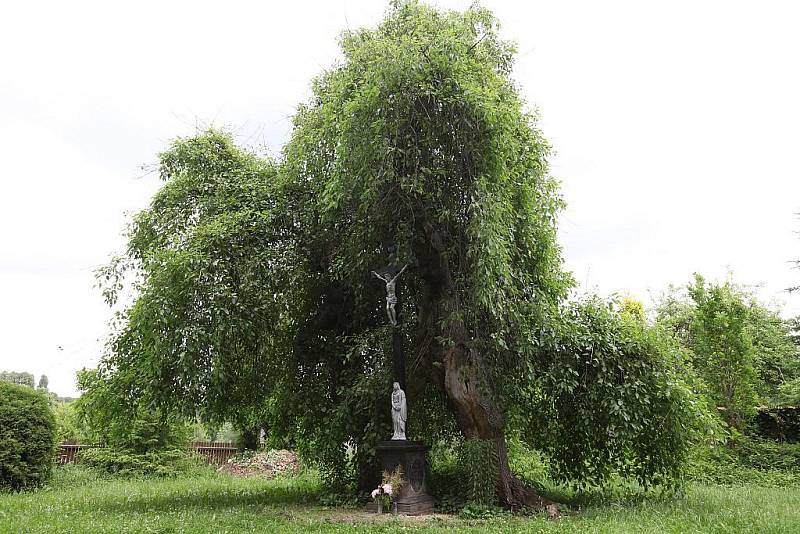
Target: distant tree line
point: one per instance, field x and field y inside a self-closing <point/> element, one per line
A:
<point x="745" y="353"/>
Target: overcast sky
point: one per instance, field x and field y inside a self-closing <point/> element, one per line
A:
<point x="676" y="130"/>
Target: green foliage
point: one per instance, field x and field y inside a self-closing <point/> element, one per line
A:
<point x="794" y="329"/>
<point x="254" y="302"/>
<point x="746" y="461"/>
<point x="743" y="350"/>
<point x="767" y="455"/>
<point x="632" y="309"/>
<point x="69" y="424"/>
<point x="776" y="357"/>
<point x="138" y="440"/>
<point x="723" y="348"/>
<point x="787" y="394"/>
<point x="477" y="457"/>
<point x="624" y="394"/>
<point x="206" y="328"/>
<point x="158" y="463"/>
<point x="529" y="465"/>
<point x="23" y="379"/>
<point x="675" y="314"/>
<point x="460" y="474"/>
<point x="447" y="476"/>
<point x="131" y="428"/>
<point x="27" y="437"/>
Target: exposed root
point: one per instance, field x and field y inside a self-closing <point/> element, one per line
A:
<point x="522" y="496"/>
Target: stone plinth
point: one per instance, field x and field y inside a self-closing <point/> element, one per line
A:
<point x="413" y="498"/>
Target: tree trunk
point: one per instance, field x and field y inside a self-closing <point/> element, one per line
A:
<point x="478" y="419"/>
<point x="458" y="369"/>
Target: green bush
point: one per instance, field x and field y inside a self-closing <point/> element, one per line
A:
<point x="767" y="455"/>
<point x="746" y="461"/>
<point x="68" y="424"/>
<point x="446" y="477"/>
<point x="463" y="472"/>
<point x="162" y="463"/>
<point x="27" y="437"/>
<point x="111" y="416"/>
<point x="479" y="460"/>
<point x="529" y="465"/>
<point x="788" y="393"/>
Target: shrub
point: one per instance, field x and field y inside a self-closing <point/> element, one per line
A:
<point x="68" y="424"/>
<point x="463" y="472"/>
<point x="478" y="457"/>
<point x="788" y="393"/>
<point x="446" y="476"/>
<point x="746" y="461"/>
<point x="162" y="463"/>
<point x="767" y="455"/>
<point x="109" y="415"/>
<point x="27" y="437"/>
<point x="529" y="465"/>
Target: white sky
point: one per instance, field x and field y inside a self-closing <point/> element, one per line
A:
<point x="675" y="125"/>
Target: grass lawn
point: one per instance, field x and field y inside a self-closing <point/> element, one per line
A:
<point x="78" y="501"/>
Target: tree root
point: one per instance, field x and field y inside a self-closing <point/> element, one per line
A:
<point x="521" y="496"/>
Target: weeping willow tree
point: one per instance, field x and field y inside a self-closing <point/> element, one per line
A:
<point x="254" y="293"/>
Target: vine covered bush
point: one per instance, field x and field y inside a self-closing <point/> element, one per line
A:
<point x="27" y="437"/>
<point x="624" y="392"/>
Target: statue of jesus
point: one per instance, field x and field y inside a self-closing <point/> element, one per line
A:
<point x="399" y="412"/>
<point x="391" y="294"/>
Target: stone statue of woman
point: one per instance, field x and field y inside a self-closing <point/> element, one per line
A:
<point x="391" y="294"/>
<point x="399" y="412"/>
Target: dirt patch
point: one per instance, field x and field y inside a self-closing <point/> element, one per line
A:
<point x="266" y="464"/>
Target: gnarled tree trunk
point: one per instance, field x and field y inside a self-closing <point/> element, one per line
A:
<point x="458" y="369"/>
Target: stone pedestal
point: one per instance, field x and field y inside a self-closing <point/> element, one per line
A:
<point x="413" y="498"/>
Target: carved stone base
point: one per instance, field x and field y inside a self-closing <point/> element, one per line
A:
<point x="413" y="498"/>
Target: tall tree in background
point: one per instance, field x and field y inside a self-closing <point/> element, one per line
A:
<point x="254" y="294"/>
<point x="23" y="379"/>
<point x="776" y="357"/>
<point x="723" y="348"/>
<point x="43" y="382"/>
<point x="743" y="349"/>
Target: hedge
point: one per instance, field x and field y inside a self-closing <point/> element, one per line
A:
<point x="27" y="437"/>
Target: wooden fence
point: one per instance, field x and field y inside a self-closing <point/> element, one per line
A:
<point x="67" y="451"/>
<point x="212" y="452"/>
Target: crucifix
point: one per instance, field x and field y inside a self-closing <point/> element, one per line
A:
<point x="390" y="276"/>
<point x="399" y="450"/>
<point x="391" y="291"/>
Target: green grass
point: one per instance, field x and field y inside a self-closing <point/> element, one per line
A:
<point x="78" y="500"/>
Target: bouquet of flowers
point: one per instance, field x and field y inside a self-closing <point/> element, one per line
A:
<point x="385" y="491"/>
<point x="383" y="496"/>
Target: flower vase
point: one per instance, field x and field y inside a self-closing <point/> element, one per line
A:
<point x="394" y="507"/>
<point x="380" y="507"/>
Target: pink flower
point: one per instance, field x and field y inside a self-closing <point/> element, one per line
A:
<point x="387" y="488"/>
<point x="375" y="493"/>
